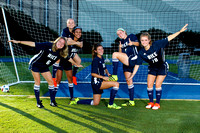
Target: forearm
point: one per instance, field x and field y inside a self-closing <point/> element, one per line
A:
<point x="136" y="43"/>
<point x="107" y="72"/>
<point x="170" y="37"/>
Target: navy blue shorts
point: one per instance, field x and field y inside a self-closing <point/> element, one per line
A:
<point x="96" y="87"/>
<point x="39" y="69"/>
<point x="127" y="68"/>
<point x="65" y="65"/>
<point x="162" y="70"/>
<point x="132" y="60"/>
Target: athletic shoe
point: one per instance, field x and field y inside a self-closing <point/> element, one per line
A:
<point x="54" y="82"/>
<point x="129" y="103"/>
<point x="53" y="104"/>
<point x="39" y="105"/>
<point x="156" y="106"/>
<point x="114" y="106"/>
<point x="74" y="80"/>
<point x="150" y="105"/>
<point x="113" y="78"/>
<point x="73" y="101"/>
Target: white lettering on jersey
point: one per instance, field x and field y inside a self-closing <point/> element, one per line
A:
<point x="151" y="56"/>
<point x="53" y="57"/>
<point x="134" y="58"/>
<point x="74" y="50"/>
<point x="125" y="45"/>
<point x="48" y="62"/>
<point x="95" y="80"/>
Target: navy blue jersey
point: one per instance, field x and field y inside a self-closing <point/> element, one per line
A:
<point x="73" y="48"/>
<point x="66" y="33"/>
<point x="154" y="55"/>
<point x="45" y="57"/>
<point x="125" y="43"/>
<point x="98" y="67"/>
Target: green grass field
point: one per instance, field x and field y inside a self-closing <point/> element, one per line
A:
<point x="20" y="114"/>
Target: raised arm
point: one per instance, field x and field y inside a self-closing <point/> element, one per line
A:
<point x="28" y="43"/>
<point x="170" y="37"/>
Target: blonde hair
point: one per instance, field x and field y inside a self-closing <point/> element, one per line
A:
<point x="70" y="19"/>
<point x="64" y="50"/>
<point x="94" y="54"/>
<point x="147" y="35"/>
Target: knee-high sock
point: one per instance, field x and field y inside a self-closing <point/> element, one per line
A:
<point x="51" y="89"/>
<point x="113" y="93"/>
<point x="158" y="94"/>
<point x="86" y="101"/>
<point x="71" y="89"/>
<point x="75" y="68"/>
<point x="150" y="94"/>
<point x="115" y="63"/>
<point x="37" y="93"/>
<point x="55" y="91"/>
<point x="131" y="92"/>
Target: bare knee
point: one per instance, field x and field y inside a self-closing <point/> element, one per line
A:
<point x="116" y="84"/>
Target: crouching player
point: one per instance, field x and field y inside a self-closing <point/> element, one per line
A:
<point x="99" y="81"/>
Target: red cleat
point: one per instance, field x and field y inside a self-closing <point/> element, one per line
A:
<point x="74" y="80"/>
<point x="54" y="82"/>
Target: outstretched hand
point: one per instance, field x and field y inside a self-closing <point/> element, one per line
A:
<point x="14" y="41"/>
<point x="184" y="28"/>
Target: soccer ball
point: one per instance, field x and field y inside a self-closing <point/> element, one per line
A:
<point x="5" y="88"/>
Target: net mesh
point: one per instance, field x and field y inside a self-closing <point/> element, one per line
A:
<point x="41" y="21"/>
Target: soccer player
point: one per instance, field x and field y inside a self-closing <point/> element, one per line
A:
<point x="48" y="54"/>
<point x="152" y="53"/>
<point x="127" y="51"/>
<point x="99" y="81"/>
<point x="66" y="65"/>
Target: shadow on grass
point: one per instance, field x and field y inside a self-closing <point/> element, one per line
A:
<point x="93" y="118"/>
<point x="31" y="117"/>
<point x="72" y="120"/>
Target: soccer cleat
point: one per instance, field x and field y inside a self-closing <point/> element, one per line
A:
<point x="74" y="101"/>
<point x="113" y="78"/>
<point x="54" y="82"/>
<point x="150" y="105"/>
<point x="74" y="80"/>
<point x="129" y="103"/>
<point x="39" y="105"/>
<point x="53" y="104"/>
<point x="156" y="106"/>
<point x="114" y="106"/>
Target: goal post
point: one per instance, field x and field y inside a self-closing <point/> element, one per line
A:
<point x="41" y="21"/>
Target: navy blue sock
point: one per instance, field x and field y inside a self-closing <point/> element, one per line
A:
<point x="150" y="94"/>
<point x="113" y="93"/>
<point x="158" y="94"/>
<point x="115" y="63"/>
<point x="71" y="89"/>
<point x="86" y="101"/>
<point x="55" y="68"/>
<point x="131" y="92"/>
<point x="75" y="70"/>
<point x="37" y="93"/>
<point x="51" y="92"/>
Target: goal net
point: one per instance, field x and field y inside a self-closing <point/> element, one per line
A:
<point x="43" y="20"/>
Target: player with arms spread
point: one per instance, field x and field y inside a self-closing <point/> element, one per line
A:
<point x="153" y="54"/>
<point x="48" y="54"/>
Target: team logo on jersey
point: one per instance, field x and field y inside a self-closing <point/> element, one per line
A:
<point x="50" y="50"/>
<point x="145" y="54"/>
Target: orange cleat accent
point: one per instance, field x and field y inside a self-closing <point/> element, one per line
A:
<point x="150" y="105"/>
<point x="54" y="82"/>
<point x="74" y="80"/>
<point x="156" y="106"/>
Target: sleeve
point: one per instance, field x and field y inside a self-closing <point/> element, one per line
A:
<point x="161" y="43"/>
<point x="94" y="66"/>
<point x="64" y="33"/>
<point x="43" y="45"/>
<point x="133" y="38"/>
<point x="139" y="60"/>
